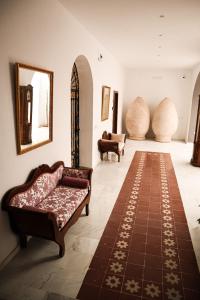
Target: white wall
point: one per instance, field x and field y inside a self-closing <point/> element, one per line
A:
<point x="155" y="85"/>
<point x="44" y="34"/>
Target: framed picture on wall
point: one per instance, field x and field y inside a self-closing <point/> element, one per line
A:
<point x="105" y="103"/>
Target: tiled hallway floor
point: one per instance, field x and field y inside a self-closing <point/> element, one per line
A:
<point x="37" y="271"/>
<point x="145" y="251"/>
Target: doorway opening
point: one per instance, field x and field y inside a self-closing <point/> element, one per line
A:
<point x="193" y="117"/>
<point x="115" y="112"/>
<point x="81" y="113"/>
<point x="196" y="149"/>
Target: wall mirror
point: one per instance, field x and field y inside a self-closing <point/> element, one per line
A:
<point x="34" y="107"/>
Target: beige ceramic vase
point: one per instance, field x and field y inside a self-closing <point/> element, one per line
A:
<point x="165" y="121"/>
<point x="137" y="119"/>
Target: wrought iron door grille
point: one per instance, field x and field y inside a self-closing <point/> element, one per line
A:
<point x="75" y="118"/>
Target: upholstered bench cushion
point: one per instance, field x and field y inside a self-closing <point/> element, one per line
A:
<point x="118" y="137"/>
<point x="109" y="141"/>
<point x="42" y="186"/>
<point x="63" y="201"/>
<point x="75" y="182"/>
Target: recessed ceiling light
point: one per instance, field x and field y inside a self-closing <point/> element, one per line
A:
<point x="159" y="47"/>
<point x="158" y="55"/>
<point x="160" y="34"/>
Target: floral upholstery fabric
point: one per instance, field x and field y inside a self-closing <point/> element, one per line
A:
<point x="42" y="186"/>
<point x="75" y="173"/>
<point x="63" y="201"/>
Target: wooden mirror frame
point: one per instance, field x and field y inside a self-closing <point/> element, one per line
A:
<point x="32" y="146"/>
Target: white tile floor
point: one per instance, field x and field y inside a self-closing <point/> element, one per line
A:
<point x="37" y="271"/>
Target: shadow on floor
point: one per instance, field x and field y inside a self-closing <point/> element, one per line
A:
<point x="53" y="296"/>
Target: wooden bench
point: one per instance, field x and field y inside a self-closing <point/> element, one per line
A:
<point x="50" y="201"/>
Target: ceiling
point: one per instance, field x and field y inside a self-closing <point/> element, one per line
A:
<point x="144" y="33"/>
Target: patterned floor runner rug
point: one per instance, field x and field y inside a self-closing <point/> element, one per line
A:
<point x="145" y="251"/>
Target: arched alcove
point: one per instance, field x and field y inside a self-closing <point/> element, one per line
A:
<point x="193" y="117"/>
<point x="85" y="110"/>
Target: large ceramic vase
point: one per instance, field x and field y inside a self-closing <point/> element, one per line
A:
<point x="137" y="119"/>
<point x="165" y="121"/>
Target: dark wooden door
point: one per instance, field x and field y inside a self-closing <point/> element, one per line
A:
<point x="74" y="118"/>
<point x="196" y="150"/>
<point x="115" y="112"/>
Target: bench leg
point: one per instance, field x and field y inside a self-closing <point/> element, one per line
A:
<point x="23" y="240"/>
<point x="118" y="157"/>
<point x="61" y="248"/>
<point x="87" y="209"/>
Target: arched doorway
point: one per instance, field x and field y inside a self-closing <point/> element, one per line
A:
<point x="81" y="113"/>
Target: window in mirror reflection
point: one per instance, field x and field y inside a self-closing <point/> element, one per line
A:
<point x="40" y="122"/>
